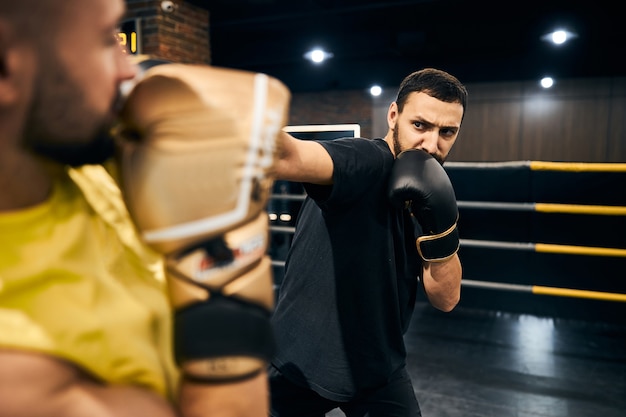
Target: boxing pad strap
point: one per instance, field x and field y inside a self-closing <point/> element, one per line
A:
<point x="222" y="340"/>
<point x="439" y="247"/>
<point x="223" y="296"/>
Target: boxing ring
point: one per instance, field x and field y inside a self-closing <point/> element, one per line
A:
<point x="547" y="198"/>
<point x="530" y="227"/>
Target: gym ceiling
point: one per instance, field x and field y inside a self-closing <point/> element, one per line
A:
<point x="379" y="42"/>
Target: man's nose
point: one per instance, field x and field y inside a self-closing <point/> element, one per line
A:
<point x="429" y="142"/>
<point x="127" y="69"/>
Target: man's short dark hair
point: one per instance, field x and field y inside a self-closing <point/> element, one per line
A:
<point x="436" y="83"/>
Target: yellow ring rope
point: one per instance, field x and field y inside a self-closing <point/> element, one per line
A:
<point x="579" y="250"/>
<point x="577" y="166"/>
<point x="541" y="290"/>
<point x="580" y="209"/>
<point x="567" y="292"/>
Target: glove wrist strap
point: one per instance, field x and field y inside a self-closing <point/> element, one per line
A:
<point x="223" y="369"/>
<point x="439" y="247"/>
<point x="222" y="339"/>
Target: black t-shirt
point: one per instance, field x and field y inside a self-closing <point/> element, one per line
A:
<point x="350" y="278"/>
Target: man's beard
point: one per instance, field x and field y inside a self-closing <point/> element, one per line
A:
<point x="54" y="128"/>
<point x="397" y="148"/>
<point x="96" y="151"/>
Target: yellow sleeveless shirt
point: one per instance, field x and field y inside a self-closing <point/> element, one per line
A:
<point x="76" y="283"/>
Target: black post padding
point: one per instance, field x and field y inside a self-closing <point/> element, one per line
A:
<point x="220" y="327"/>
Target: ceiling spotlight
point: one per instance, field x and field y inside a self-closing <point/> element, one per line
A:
<point x="376" y="90"/>
<point x="547" y="82"/>
<point x="318" y="55"/>
<point x="559" y="36"/>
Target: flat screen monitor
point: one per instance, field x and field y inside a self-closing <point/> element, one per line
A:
<point x="324" y="132"/>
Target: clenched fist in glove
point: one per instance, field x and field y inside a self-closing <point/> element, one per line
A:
<point x="419" y="181"/>
<point x="196" y="145"/>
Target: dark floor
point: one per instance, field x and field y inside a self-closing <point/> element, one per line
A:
<point x="478" y="363"/>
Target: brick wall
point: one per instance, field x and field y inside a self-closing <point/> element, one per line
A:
<point x="180" y="36"/>
<point x="183" y="36"/>
<point x="333" y="107"/>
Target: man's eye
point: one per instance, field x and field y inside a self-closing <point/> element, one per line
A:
<point x="418" y="125"/>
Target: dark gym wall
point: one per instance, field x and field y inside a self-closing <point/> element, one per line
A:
<point x="577" y="120"/>
<point x="333" y="107"/>
<point x="574" y="121"/>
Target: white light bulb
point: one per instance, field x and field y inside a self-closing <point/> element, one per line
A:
<point x="317" y="56"/>
<point x="375" y="90"/>
<point x="559" y="36"/>
<point x="547" y="82"/>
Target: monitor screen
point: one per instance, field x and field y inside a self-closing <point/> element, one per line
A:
<point x="324" y="132"/>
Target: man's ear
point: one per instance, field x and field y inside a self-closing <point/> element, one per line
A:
<point x="4" y="35"/>
<point x="8" y="86"/>
<point x="392" y="115"/>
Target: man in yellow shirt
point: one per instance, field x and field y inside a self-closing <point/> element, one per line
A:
<point x="85" y="319"/>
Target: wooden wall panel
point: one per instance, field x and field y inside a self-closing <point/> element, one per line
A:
<point x="563" y="129"/>
<point x="490" y="132"/>
<point x="616" y="146"/>
<point x="568" y="122"/>
<point x="580" y="120"/>
<point x="575" y="121"/>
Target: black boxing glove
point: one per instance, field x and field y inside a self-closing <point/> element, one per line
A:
<point x="419" y="182"/>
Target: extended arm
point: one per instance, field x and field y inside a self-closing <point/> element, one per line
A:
<point x="302" y="161"/>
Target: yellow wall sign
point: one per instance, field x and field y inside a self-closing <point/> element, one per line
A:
<point x="129" y="36"/>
